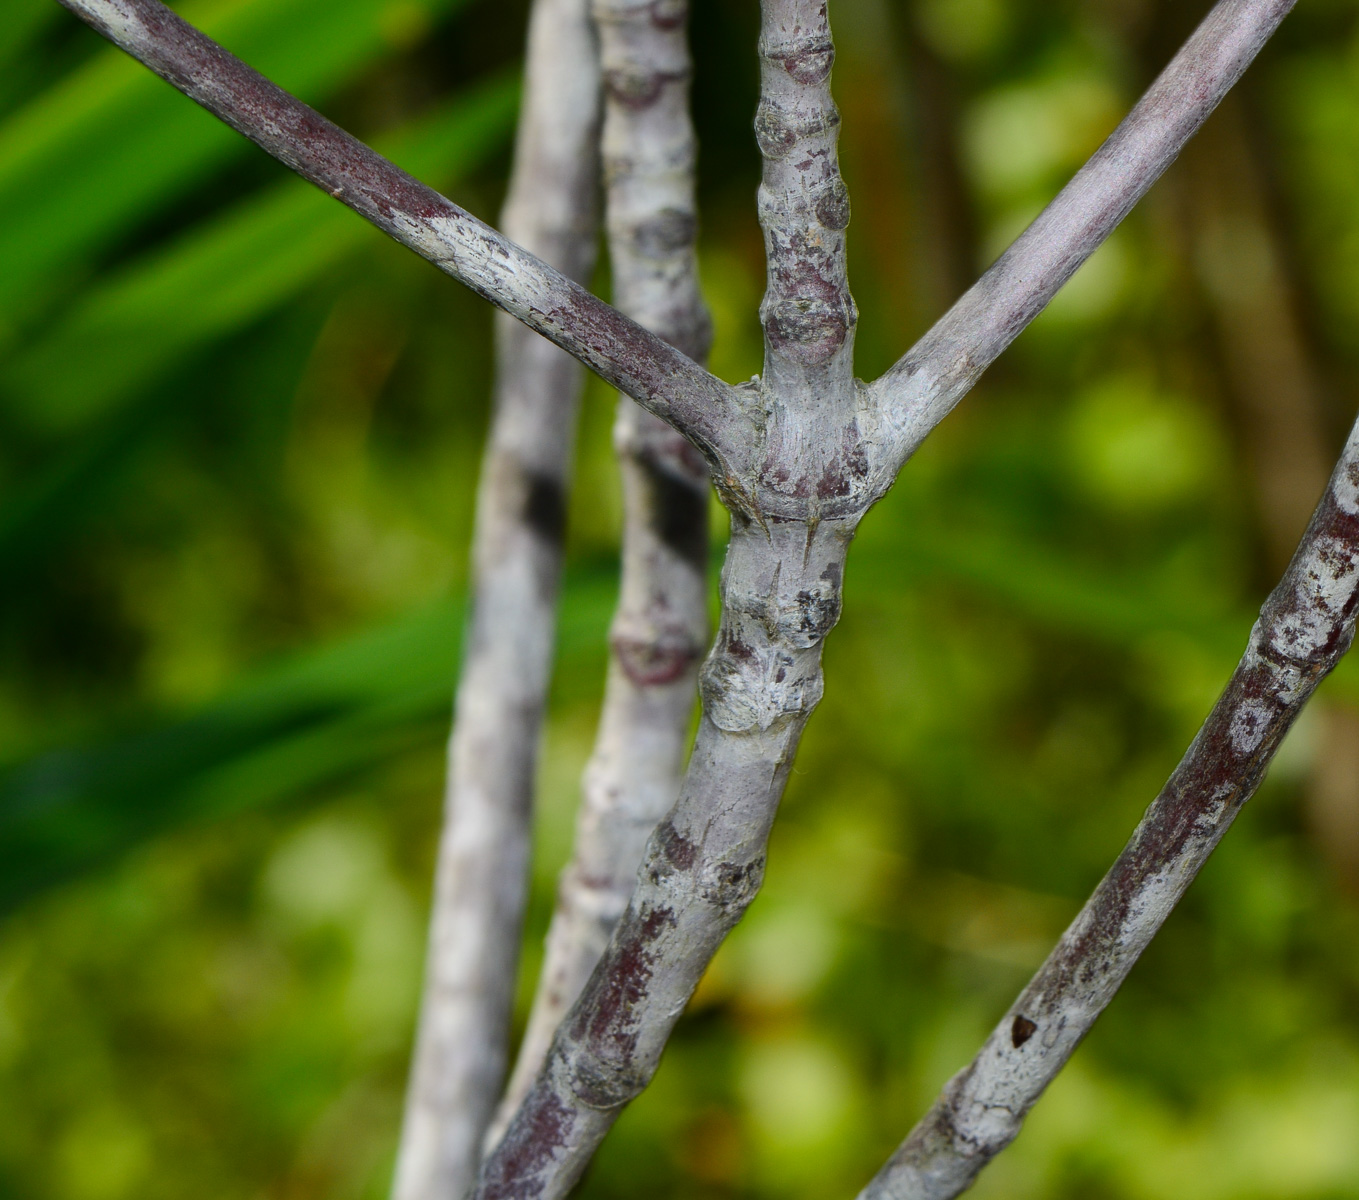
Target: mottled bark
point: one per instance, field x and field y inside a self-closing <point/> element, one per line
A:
<point x="660" y="378"/>
<point x="823" y="449"/>
<point x="661" y="625"/>
<point x="796" y="494"/>
<point x="798" y="457"/>
<point x="1305" y="627"/>
<point x="481" y="878"/>
<point x="925" y="384"/>
<point x="703" y="864"/>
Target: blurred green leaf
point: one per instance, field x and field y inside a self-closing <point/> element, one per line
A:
<point x="92" y="156"/>
<point x="228" y="273"/>
<point x="147" y="319"/>
<point x="328" y="713"/>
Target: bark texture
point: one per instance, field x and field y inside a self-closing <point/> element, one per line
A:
<point x="662" y="379"/>
<point x="799" y="456"/>
<point x="796" y="491"/>
<point x="481" y="876"/>
<point x="924" y="385"/>
<point x="1305" y="626"/>
<point x="661" y="625"/>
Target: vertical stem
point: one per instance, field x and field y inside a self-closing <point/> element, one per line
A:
<point x="808" y="313"/>
<point x="661" y="625"/>
<point x="481" y="875"/>
<point x="703" y="864"/>
<point x="797" y="489"/>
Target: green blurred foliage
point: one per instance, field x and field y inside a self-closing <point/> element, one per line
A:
<point x="238" y="444"/>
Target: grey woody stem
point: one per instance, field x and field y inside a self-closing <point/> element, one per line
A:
<point x="703" y="864"/>
<point x="808" y="314"/>
<point x="660" y="378"/>
<point x="1305" y="627"/>
<point x="796" y="491"/>
<point x="482" y="870"/>
<point x="661" y="626"/>
<point x="922" y="388"/>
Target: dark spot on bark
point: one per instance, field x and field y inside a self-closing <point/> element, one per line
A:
<point x="679" y="512"/>
<point x="805" y="331"/>
<point x="670" y="230"/>
<point x="655" y="663"/>
<point x="740" y="651"/>
<point x="669" y="14"/>
<point x="736" y="884"/>
<point x="545" y="507"/>
<point x="834" y="481"/>
<point x="541" y="1128"/>
<point x="607" y="1019"/>
<point x="810" y="64"/>
<point x="636" y="89"/>
<point x="817" y="614"/>
<point x="1022" y="1030"/>
<point x="774" y="135"/>
<point x="832" y="210"/>
<point x="856" y="458"/>
<point x="678" y="849"/>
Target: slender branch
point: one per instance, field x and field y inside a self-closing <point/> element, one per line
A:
<point x="659" y="377"/>
<point x="924" y="385"/>
<point x="796" y="495"/>
<point x="661" y="625"/>
<point x="808" y="314"/>
<point x="703" y="864"/>
<point x="1305" y="627"/>
<point x="482" y="873"/>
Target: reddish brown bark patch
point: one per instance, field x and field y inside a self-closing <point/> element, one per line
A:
<point x="542" y="1127"/>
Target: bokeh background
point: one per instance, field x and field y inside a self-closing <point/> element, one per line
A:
<point x="239" y="434"/>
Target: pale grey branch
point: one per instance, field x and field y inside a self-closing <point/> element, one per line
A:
<point x="797" y="490"/>
<point x="924" y="385"/>
<point x="1304" y="629"/>
<point x="482" y="871"/>
<point x="661" y="626"/>
<point x="659" y="377"/>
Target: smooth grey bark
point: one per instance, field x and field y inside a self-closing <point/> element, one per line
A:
<point x="1305" y="626"/>
<point x="481" y="877"/>
<point x="798" y="456"/>
<point x="660" y="628"/>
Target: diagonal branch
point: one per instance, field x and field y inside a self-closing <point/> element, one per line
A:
<point x="661" y="626"/>
<point x="796" y="496"/>
<point x="482" y="875"/>
<point x="1304" y="629"/>
<point x="660" y="378"/>
<point x="923" y="386"/>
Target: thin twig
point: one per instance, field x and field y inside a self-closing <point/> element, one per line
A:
<point x="660" y="378"/>
<point x="925" y="384"/>
<point x="796" y="499"/>
<point x="481" y="878"/>
<point x="661" y="626"/>
<point x="1305" y="627"/>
